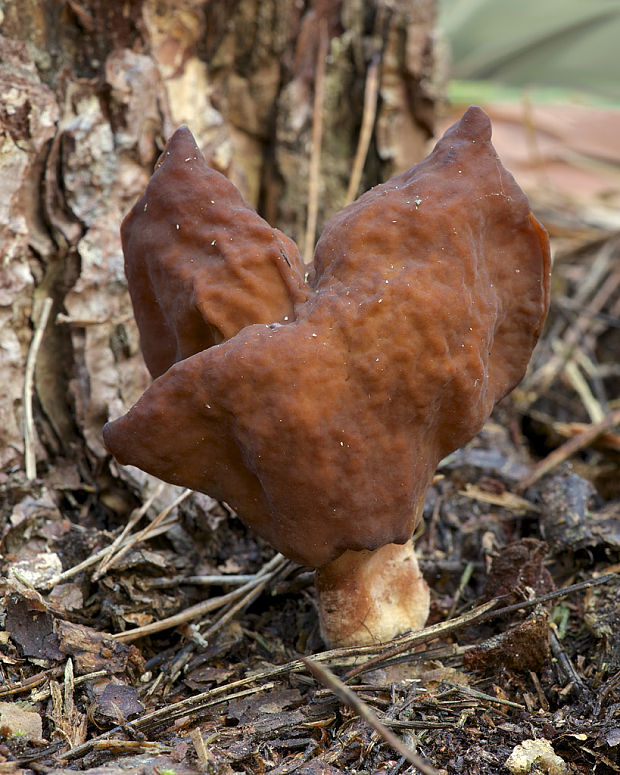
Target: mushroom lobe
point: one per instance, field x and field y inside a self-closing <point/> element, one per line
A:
<point x="200" y="263"/>
<point x="323" y="431"/>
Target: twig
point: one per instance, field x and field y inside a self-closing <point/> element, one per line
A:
<point x="33" y="351"/>
<point x="317" y="137"/>
<point x="465" y="578"/>
<point x="368" y="121"/>
<point x="181" y="659"/>
<point x="398" y="766"/>
<point x="216" y="580"/>
<point x="44" y="693"/>
<point x="142" y="535"/>
<point x="240" y="604"/>
<point x="487" y="697"/>
<point x="198" y="702"/>
<point x="608" y="687"/>
<point x="204" y="760"/>
<point x="94" y="559"/>
<point x="481" y="613"/>
<point x="580" y="385"/>
<point x="17" y="687"/>
<point x="135" y="517"/>
<point x="395" y="723"/>
<point x="345" y="695"/>
<point x="569" y="448"/>
<point x="202" y="639"/>
<point x="575" y="680"/>
<point x="180" y="708"/>
<point x="117" y="747"/>
<point x="69" y="689"/>
<point x="562" y="592"/>
<point x="599" y="290"/>
<point x="200" y="609"/>
<point x="571" y="429"/>
<point x="542" y="698"/>
<point x="406" y="642"/>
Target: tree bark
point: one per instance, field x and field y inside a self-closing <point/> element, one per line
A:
<point x="275" y="93"/>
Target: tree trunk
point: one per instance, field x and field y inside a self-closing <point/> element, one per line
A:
<point x="281" y="96"/>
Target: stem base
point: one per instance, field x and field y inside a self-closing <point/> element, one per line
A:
<point x="371" y="596"/>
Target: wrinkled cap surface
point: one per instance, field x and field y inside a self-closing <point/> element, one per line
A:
<point x="323" y="431"/>
<point x="200" y="263"/>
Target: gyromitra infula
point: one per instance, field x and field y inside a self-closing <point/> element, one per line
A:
<point x="319" y="408"/>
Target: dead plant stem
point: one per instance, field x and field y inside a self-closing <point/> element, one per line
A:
<point x="200" y="609"/>
<point x="368" y="121"/>
<point x="31" y="360"/>
<point x="569" y="448"/>
<point x="317" y="138"/>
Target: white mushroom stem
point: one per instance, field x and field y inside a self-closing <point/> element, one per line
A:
<point x="371" y="596"/>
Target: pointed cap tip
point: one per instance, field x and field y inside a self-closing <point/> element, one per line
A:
<point x="182" y="137"/>
<point x="475" y="123"/>
<point x="181" y="143"/>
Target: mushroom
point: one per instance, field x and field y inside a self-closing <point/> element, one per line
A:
<point x="319" y="410"/>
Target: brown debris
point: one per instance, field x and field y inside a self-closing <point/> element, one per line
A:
<point x="524" y="647"/>
<point x="518" y="571"/>
<point x="113" y="701"/>
<point x="565" y="521"/>
<point x="69" y="722"/>
<point x="17" y="721"/>
<point x="31" y="626"/>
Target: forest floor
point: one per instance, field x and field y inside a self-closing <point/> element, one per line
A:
<point x="517" y="672"/>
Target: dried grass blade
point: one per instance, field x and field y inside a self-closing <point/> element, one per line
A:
<point x="133" y="520"/>
<point x="33" y="351"/>
<point x="569" y="448"/>
<point x="143" y="534"/>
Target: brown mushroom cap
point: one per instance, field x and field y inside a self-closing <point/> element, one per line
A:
<point x="429" y="293"/>
<point x="200" y="263"/>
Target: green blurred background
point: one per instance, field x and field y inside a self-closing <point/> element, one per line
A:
<point x="556" y="49"/>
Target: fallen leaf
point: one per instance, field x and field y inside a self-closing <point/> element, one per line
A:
<point x="31" y="626"/>
<point x="67" y="597"/>
<point x="20" y="722"/>
<point x="115" y="701"/>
